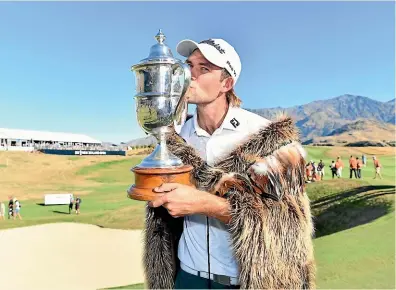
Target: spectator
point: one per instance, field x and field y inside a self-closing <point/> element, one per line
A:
<point x="315" y="176"/>
<point x="338" y="166"/>
<point x="352" y="167"/>
<point x="308" y="171"/>
<point x="71" y="203"/>
<point x="77" y="206"/>
<point x="321" y="169"/>
<point x="359" y="166"/>
<point x="17" y="208"/>
<point x="2" y="210"/>
<point x="10" y="208"/>
<point x="377" y="166"/>
<point x="333" y="169"/>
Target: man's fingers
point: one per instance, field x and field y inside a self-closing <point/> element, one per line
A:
<point x="166" y="187"/>
<point x="159" y="201"/>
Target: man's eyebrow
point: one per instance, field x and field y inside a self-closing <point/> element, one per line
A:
<point x="206" y="64"/>
<point x="201" y="63"/>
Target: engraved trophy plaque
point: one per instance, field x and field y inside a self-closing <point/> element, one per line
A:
<point x="161" y="84"/>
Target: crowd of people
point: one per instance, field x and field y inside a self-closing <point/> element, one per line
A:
<point x="316" y="171"/>
<point x="14" y="209"/>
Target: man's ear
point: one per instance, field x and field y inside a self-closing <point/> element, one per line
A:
<point x="228" y="83"/>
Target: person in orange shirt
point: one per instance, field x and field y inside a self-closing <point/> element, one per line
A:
<point x="352" y="167"/>
<point x="315" y="174"/>
<point x="308" y="171"/>
<point x="359" y="166"/>
<point x="377" y="166"/>
<point x="339" y="166"/>
<point x="350" y="160"/>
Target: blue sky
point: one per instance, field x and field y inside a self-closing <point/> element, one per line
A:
<point x="66" y="66"/>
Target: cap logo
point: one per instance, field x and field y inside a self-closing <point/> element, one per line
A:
<point x="211" y="42"/>
<point x="232" y="68"/>
<point x="214" y="44"/>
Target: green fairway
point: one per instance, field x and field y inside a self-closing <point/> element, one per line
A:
<point x="105" y="205"/>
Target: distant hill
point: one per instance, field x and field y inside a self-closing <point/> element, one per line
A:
<point x="320" y="118"/>
<point x="360" y="131"/>
<point x="149" y="140"/>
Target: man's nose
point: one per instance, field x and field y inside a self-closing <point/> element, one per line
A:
<point x="194" y="74"/>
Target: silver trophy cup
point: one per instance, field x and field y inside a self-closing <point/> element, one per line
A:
<point x="161" y="84"/>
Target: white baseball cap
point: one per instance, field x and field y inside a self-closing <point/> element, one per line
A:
<point x="217" y="51"/>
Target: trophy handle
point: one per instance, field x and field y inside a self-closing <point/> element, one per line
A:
<point x="182" y="106"/>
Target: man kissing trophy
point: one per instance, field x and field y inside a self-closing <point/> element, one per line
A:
<point x="228" y="207"/>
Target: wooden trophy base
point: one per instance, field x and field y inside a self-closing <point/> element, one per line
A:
<point x="146" y="179"/>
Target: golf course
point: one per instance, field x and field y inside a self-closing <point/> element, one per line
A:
<point x="354" y="219"/>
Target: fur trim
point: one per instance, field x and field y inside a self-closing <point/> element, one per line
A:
<point x="161" y="235"/>
<point x="271" y="225"/>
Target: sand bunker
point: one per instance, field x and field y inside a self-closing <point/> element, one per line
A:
<point x="70" y="256"/>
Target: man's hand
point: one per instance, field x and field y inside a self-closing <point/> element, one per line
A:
<point x="181" y="200"/>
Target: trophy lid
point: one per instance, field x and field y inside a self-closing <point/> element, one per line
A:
<point x="159" y="53"/>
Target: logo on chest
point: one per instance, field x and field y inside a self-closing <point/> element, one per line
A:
<point x="234" y="122"/>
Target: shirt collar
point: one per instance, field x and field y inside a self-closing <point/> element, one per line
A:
<point x="230" y="122"/>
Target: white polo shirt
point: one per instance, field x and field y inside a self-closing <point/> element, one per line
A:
<point x="192" y="251"/>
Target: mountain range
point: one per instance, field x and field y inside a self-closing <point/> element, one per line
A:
<point x="341" y="120"/>
<point x="325" y="117"/>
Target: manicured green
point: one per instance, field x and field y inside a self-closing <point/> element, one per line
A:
<point x="362" y="257"/>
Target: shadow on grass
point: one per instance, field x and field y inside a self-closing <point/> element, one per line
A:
<point x="350" y="193"/>
<point x="351" y="208"/>
<point x="62" y="212"/>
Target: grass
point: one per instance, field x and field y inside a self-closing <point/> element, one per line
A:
<point x="105" y="204"/>
<point x="355" y="225"/>
<point x="354" y="219"/>
<point x="361" y="258"/>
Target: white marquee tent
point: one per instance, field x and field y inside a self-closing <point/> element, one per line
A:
<point x="42" y="136"/>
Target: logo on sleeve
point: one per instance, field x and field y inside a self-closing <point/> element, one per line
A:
<point x="234" y="122"/>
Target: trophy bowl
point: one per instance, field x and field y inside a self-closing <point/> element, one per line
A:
<point x="161" y="84"/>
